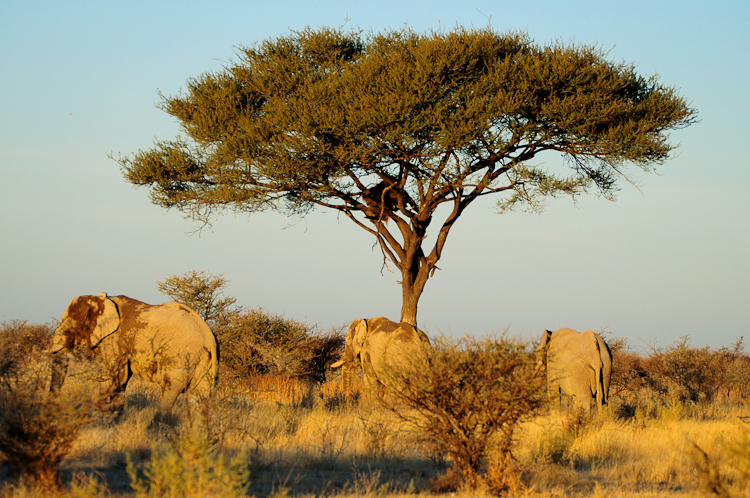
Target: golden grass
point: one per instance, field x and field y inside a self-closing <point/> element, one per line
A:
<point x="625" y="457"/>
<point x="314" y="440"/>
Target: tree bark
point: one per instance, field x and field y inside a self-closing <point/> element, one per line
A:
<point x="412" y="285"/>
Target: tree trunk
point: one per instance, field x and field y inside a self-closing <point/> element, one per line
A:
<point x="412" y="285"/>
<point x="409" y="303"/>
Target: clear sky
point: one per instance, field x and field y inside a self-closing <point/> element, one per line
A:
<point x="79" y="81"/>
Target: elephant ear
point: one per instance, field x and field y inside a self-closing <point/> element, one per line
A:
<point x="358" y="330"/>
<point x="542" y="350"/>
<point x="544" y="342"/>
<point x="107" y="322"/>
<point x="352" y="346"/>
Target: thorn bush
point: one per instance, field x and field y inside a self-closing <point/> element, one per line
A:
<point x="36" y="430"/>
<point x="466" y="394"/>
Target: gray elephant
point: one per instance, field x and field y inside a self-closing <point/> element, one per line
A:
<point x="168" y="345"/>
<point x="377" y="345"/>
<point x="579" y="365"/>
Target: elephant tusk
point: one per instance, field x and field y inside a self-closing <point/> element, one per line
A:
<point x="338" y="364"/>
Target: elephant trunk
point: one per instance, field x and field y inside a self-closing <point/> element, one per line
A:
<point x="347" y="374"/>
<point x="59" y="338"/>
<point x="59" y="371"/>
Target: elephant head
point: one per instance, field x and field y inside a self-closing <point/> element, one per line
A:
<point x="542" y="349"/>
<point x="350" y="361"/>
<point x="378" y="345"/>
<point x="87" y="319"/>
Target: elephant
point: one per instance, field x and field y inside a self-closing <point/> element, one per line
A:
<point x="377" y="345"/>
<point x="168" y="345"/>
<point x="579" y="365"/>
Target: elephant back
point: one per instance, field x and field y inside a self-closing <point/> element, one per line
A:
<point x="394" y="343"/>
<point x="177" y="328"/>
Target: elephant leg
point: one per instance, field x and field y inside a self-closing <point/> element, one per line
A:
<point x="168" y="399"/>
<point x="173" y="383"/>
<point x="368" y="373"/>
<point x="112" y="390"/>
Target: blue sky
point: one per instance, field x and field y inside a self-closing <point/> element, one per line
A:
<point x="79" y="81"/>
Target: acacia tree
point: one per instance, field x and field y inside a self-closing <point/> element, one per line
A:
<point x="203" y="293"/>
<point x="387" y="127"/>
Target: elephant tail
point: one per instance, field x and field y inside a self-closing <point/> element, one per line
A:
<point x="600" y="399"/>
<point x="205" y="375"/>
<point x="213" y="365"/>
<point x="606" y="372"/>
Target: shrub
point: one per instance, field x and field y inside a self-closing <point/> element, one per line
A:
<point x="254" y="342"/>
<point x="190" y="470"/>
<point x="688" y="373"/>
<point x="203" y="293"/>
<point x="737" y="371"/>
<point x="660" y="384"/>
<point x="628" y="374"/>
<point x="36" y="430"/>
<point x="465" y="393"/>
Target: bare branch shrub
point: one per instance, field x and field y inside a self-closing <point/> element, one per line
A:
<point x="37" y="430"/>
<point x="466" y="394"/>
<point x="695" y="374"/>
<point x="666" y="381"/>
<point x="628" y="373"/>
<point x="255" y="342"/>
<point x="203" y="292"/>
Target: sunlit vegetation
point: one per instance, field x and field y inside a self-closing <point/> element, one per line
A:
<point x="475" y="422"/>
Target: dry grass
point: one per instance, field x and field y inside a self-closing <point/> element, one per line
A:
<point x="301" y="439"/>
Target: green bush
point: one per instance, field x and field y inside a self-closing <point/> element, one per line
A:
<point x="191" y="470"/>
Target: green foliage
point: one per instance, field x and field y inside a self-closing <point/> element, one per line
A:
<point x="389" y="126"/>
<point x="466" y="393"/>
<point x="190" y="470"/>
<point x="36" y="430"/>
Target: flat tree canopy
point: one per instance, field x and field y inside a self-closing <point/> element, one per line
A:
<point x="387" y="127"/>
